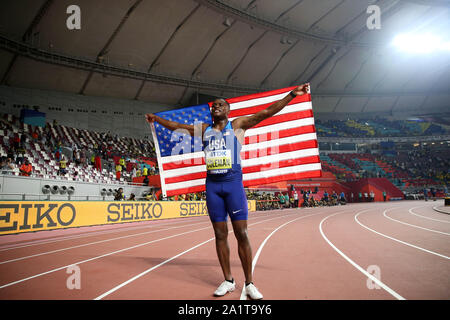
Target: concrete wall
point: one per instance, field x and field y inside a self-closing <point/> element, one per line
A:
<point x="28" y="188"/>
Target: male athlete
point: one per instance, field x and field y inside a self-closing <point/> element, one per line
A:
<point x="225" y="194"/>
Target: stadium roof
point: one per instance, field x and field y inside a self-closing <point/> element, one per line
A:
<point x="169" y="51"/>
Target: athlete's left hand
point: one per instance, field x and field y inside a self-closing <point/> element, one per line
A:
<point x="301" y="90"/>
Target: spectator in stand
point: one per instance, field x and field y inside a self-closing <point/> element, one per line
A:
<point x="295" y="199"/>
<point x="433" y="193"/>
<point x="16" y="141"/>
<point x="122" y="163"/>
<point x="98" y="162"/>
<point x="35" y="134"/>
<point x="58" y="153"/>
<point x="82" y="157"/>
<point x="118" y="171"/>
<point x="77" y="157"/>
<point x="62" y="166"/>
<point x="7" y="165"/>
<point x="281" y="199"/>
<point x="26" y="169"/>
<point x="334" y="197"/>
<point x="119" y="196"/>
<point x="291" y="200"/>
<point x="150" y="197"/>
<point x="133" y="172"/>
<point x="145" y="171"/>
<point x="342" y="198"/>
<point x="20" y="158"/>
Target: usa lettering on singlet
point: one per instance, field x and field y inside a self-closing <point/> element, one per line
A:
<point x="221" y="151"/>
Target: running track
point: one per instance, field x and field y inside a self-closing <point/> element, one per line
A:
<point x="401" y="250"/>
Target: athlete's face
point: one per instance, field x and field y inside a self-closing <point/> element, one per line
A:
<point x="220" y="109"/>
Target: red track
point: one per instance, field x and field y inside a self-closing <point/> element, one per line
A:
<point x="319" y="253"/>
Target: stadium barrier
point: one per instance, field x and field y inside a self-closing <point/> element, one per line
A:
<point x="31" y="216"/>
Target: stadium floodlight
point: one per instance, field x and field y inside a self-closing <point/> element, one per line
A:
<point x="46" y="189"/>
<point x="63" y="190"/>
<point x="55" y="189"/>
<point x="420" y="43"/>
<point x="71" y="190"/>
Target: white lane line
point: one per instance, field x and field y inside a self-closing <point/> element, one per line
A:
<point x="170" y="259"/>
<point x="97" y="242"/>
<point x="255" y="259"/>
<point x="99" y="257"/>
<point x="412" y="225"/>
<point x="400" y="241"/>
<point x="84" y="235"/>
<point x="416" y="214"/>
<point x="100" y="232"/>
<point x="354" y="264"/>
<point x="102" y="241"/>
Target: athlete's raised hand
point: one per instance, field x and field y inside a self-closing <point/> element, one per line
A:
<point x="301" y="90"/>
<point x="150" y="117"/>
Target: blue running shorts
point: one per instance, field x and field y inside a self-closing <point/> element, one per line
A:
<point x="226" y="198"/>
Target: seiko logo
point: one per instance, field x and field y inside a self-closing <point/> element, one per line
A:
<point x="133" y="211"/>
<point x="46" y="215"/>
<point x="193" y="208"/>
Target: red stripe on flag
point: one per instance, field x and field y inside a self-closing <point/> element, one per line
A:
<point x="261" y="95"/>
<point x="184" y="163"/>
<point x="186" y="190"/>
<point x="281" y="164"/>
<point x="284" y="177"/>
<point x="279" y="134"/>
<point x="186" y="177"/>
<point x="285" y="117"/>
<point x="279" y="149"/>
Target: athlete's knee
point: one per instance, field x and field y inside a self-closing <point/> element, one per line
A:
<point x="220" y="234"/>
<point x="241" y="234"/>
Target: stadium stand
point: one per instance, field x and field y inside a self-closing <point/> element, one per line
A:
<point x="378" y="128"/>
<point x="44" y="148"/>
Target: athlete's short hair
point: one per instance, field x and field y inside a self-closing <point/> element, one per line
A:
<point x="228" y="104"/>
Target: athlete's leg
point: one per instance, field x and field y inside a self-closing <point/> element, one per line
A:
<point x="244" y="248"/>
<point x="222" y="248"/>
<point x="236" y="206"/>
<point x="218" y="216"/>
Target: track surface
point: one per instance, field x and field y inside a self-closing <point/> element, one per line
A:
<point x="388" y="251"/>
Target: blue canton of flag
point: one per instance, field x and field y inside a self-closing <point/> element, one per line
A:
<point x="168" y="139"/>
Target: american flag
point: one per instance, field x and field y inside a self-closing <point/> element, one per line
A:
<point x="280" y="148"/>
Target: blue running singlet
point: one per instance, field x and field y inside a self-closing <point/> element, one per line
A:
<point x="225" y="194"/>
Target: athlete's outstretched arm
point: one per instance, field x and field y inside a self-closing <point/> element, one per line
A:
<point x="172" y="125"/>
<point x="250" y="121"/>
